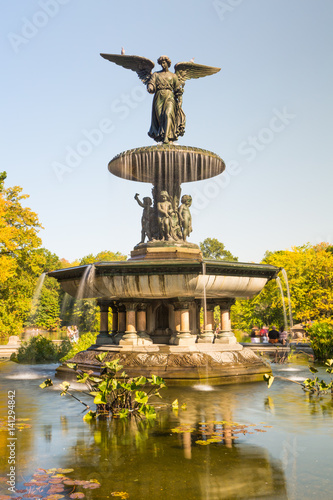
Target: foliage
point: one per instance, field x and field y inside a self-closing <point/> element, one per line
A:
<point x="310" y="275"/>
<point x="20" y="261"/>
<point x="104" y="256"/>
<point x="312" y="385"/>
<point x="86" y="340"/>
<point x="213" y="249"/>
<point x="115" y="395"/>
<point x="40" y="350"/>
<point x="321" y="339"/>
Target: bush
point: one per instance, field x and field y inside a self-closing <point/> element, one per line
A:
<point x="40" y="350"/>
<point x="321" y="339"/>
<point x="85" y="341"/>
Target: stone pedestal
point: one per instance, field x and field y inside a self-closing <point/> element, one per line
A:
<point x="226" y="336"/>
<point x="207" y="335"/>
<point x="184" y="336"/>
<point x="141" y="318"/>
<point x="103" y="337"/>
<point x="130" y="336"/>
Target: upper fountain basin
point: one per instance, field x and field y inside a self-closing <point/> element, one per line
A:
<point x="166" y="279"/>
<point x="153" y="163"/>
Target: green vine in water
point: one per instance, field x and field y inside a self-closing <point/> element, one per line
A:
<point x="114" y="395"/>
<point x="312" y="385"/>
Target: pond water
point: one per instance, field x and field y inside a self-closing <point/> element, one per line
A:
<point x="232" y="442"/>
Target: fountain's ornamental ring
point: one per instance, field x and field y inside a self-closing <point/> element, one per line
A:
<point x="154" y="163"/>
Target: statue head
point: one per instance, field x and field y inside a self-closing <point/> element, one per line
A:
<point x="187" y="200"/>
<point x="147" y="201"/>
<point x="164" y="58"/>
<point x="164" y="196"/>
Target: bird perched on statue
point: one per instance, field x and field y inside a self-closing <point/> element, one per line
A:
<point x="122" y="51"/>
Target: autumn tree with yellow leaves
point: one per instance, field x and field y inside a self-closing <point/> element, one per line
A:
<point x="310" y="275"/>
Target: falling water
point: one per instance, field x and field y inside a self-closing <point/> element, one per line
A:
<point x="285" y="277"/>
<point x="37" y="292"/>
<point x="283" y="303"/>
<point x="86" y="281"/>
<point x="36" y="296"/>
<point x="204" y="295"/>
<point x="65" y="303"/>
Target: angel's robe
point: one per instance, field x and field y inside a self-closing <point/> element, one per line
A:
<point x="168" y="118"/>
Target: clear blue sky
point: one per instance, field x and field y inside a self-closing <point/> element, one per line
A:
<point x="268" y="114"/>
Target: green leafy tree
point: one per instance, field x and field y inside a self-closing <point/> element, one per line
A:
<point x="104" y="256"/>
<point x="310" y="275"/>
<point x="213" y="249"/>
<point x="20" y="261"/>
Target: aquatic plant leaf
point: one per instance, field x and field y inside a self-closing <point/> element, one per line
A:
<point x="313" y="369"/>
<point x="175" y="404"/>
<point x="6" y="497"/>
<point x="140" y="380"/>
<point x="155" y="380"/>
<point x="89" y="416"/>
<point x="77" y="495"/>
<point x="100" y="399"/>
<point x="91" y="485"/>
<point x="101" y="356"/>
<point x="183" y="406"/>
<point x="149" y="411"/>
<point x="53" y="497"/>
<point x="72" y="365"/>
<point x="269" y="379"/>
<point x="329" y="362"/>
<point x="122" y="494"/>
<point x="64" y="386"/>
<point x="123" y="413"/>
<point x="47" y="383"/>
<point x="64" y="471"/>
<point x="141" y="397"/>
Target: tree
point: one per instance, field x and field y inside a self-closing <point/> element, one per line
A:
<point x="310" y="275"/>
<point x="20" y="262"/>
<point x="84" y="313"/>
<point x="104" y="256"/>
<point x="213" y="249"/>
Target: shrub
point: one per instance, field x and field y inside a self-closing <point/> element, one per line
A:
<point x="321" y="339"/>
<point x="40" y="350"/>
<point x="85" y="341"/>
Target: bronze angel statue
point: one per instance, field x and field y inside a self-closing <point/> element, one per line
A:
<point x="168" y="118"/>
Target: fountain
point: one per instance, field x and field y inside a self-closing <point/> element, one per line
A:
<point x="156" y="296"/>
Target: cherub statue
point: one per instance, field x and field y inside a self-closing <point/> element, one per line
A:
<point x="185" y="217"/>
<point x="164" y="209"/>
<point x="168" y="118"/>
<point x="146" y="204"/>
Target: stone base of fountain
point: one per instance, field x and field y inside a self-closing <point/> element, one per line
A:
<point x="166" y="250"/>
<point x="205" y="362"/>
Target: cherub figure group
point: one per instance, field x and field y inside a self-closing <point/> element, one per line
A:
<point x="163" y="222"/>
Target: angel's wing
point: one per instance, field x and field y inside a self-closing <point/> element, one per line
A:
<point x="187" y="70"/>
<point x="140" y="65"/>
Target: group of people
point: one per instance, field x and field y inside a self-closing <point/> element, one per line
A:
<point x="272" y="336"/>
